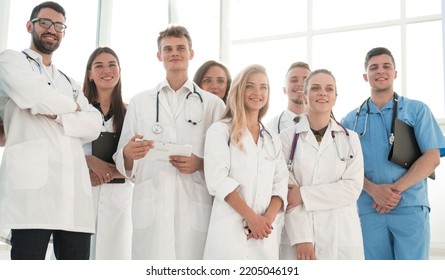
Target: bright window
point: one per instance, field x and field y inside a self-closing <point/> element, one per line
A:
<point x="344" y="55"/>
<point x="134" y="32"/>
<point x="259" y="18"/>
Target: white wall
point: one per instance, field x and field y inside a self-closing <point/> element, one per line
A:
<point x="436" y="190"/>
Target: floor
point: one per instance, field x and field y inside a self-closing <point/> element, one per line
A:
<point x="438" y="254"/>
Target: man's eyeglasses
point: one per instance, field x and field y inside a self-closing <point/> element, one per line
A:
<point x="47" y="23"/>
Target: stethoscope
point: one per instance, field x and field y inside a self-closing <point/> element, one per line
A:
<point x="279" y="121"/>
<point x="75" y="92"/>
<point x="342" y="158"/>
<point x="263" y="131"/>
<point x="157" y="127"/>
<point x="394" y="115"/>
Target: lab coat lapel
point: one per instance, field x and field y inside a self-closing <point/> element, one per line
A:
<point x="303" y="129"/>
<point x="164" y="106"/>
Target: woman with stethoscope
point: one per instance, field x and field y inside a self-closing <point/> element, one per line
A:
<point x="246" y="172"/>
<point x="326" y="178"/>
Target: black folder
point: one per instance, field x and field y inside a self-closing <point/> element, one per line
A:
<point x="405" y="150"/>
<point x="104" y="148"/>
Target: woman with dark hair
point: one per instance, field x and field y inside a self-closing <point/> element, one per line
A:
<point x="214" y="77"/>
<point x="111" y="192"/>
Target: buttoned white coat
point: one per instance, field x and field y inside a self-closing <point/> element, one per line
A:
<point x="258" y="173"/>
<point x="330" y="188"/>
<point x="112" y="213"/>
<point x="44" y="179"/>
<point x="171" y="210"/>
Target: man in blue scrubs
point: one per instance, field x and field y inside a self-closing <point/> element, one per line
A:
<point x="394" y="207"/>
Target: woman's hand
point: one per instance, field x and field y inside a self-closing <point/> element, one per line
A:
<point x="102" y="169"/>
<point x="293" y="197"/>
<point x="259" y="226"/>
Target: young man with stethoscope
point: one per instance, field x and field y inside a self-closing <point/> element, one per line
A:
<point x="296" y="102"/>
<point x="171" y="204"/>
<point x="394" y="207"/>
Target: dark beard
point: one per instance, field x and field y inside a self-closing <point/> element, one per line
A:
<point x="42" y="46"/>
<point x="299" y="101"/>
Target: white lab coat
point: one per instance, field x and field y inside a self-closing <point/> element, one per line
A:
<point x="330" y="188"/>
<point x="258" y="174"/>
<point x="112" y="212"/>
<point x="282" y="121"/>
<point x="44" y="179"/>
<point x="171" y="210"/>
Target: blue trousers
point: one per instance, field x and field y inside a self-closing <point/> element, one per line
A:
<point x="32" y="244"/>
<point x="401" y="234"/>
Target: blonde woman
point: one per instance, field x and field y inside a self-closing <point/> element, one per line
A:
<point x="246" y="172"/>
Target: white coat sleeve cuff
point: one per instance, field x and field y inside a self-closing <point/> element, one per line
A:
<point x="283" y="195"/>
<point x="228" y="186"/>
<point x="120" y="164"/>
<point x="298" y="226"/>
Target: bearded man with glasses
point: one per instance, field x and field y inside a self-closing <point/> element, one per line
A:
<point x="45" y="188"/>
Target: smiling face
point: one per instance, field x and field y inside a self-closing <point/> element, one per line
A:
<point x="294" y="85"/>
<point x="380" y="73"/>
<point x="46" y="40"/>
<point x="256" y="92"/>
<point x="321" y="93"/>
<point x="105" y="72"/>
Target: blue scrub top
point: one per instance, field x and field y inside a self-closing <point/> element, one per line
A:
<point x="376" y="147"/>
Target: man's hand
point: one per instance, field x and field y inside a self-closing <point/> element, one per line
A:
<point x="187" y="165"/>
<point x="137" y="148"/>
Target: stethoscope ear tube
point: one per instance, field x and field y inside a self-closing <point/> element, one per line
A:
<point x="293" y="148"/>
<point x="157" y="127"/>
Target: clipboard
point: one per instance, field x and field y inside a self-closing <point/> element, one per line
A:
<point x="405" y="150"/>
<point x="104" y="148"/>
<point x="162" y="151"/>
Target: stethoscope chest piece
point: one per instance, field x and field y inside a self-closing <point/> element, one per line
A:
<point x="157" y="128"/>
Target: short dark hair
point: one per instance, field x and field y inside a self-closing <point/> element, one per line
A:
<point x="378" y="51"/>
<point x="174" y="31"/>
<point x="49" y="4"/>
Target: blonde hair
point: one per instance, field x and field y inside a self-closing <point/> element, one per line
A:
<point x="235" y="110"/>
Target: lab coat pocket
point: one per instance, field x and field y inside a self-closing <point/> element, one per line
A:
<point x="348" y="227"/>
<point x="201" y="216"/>
<point x="27" y="165"/>
<point x="122" y="195"/>
<point x="201" y="203"/>
<point x="143" y="205"/>
<point x="266" y="173"/>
